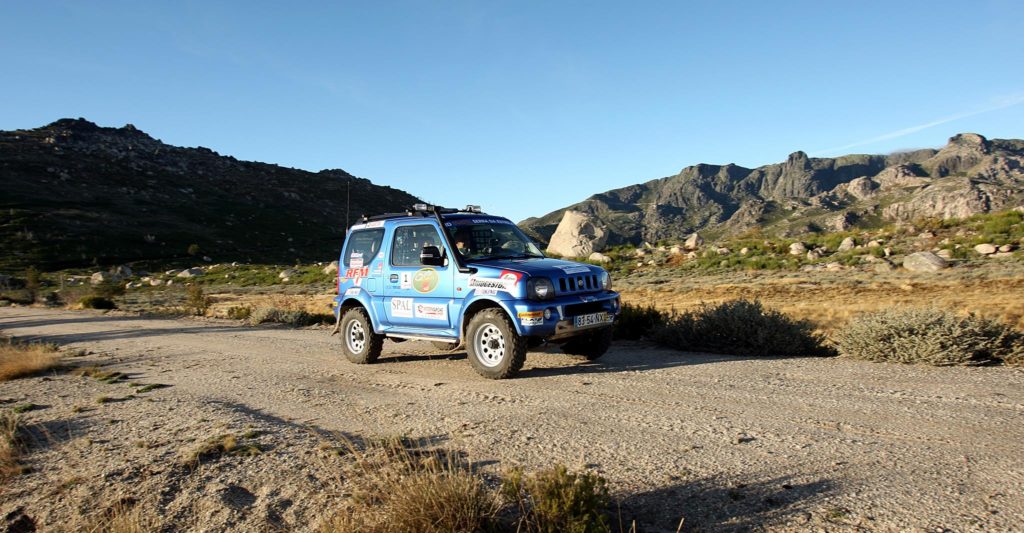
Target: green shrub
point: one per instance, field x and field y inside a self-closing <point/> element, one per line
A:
<point x="108" y="290"/>
<point x="557" y="500"/>
<point x="96" y="302"/>
<point x="635" y="321"/>
<point x="196" y="300"/>
<point x="929" y="336"/>
<point x="740" y="327"/>
<point x="240" y="312"/>
<point x="264" y="315"/>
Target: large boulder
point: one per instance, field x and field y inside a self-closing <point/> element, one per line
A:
<point x="578" y="235"/>
<point x="693" y="242"/>
<point x="190" y="273"/>
<point x="924" y="262"/>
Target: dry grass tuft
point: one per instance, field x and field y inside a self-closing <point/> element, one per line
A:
<point x="219" y="446"/>
<point x="125" y="516"/>
<point x="398" y="488"/>
<point x="21" y="360"/>
<point x="11" y="445"/>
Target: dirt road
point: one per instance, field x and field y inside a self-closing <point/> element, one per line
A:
<point x="726" y="442"/>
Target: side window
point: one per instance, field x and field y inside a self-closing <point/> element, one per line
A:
<point x="363" y="246"/>
<point x="409" y="242"/>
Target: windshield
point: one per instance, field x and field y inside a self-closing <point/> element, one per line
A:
<point x="478" y="239"/>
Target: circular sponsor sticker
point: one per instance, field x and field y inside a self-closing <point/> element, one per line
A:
<point x="425" y="280"/>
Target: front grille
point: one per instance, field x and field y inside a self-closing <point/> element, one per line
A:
<point x="584" y="308"/>
<point x="578" y="283"/>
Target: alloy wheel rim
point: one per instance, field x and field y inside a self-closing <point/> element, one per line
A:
<point x="355" y="337"/>
<point x="490" y="345"/>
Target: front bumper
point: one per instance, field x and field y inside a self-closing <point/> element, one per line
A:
<point x="557" y="318"/>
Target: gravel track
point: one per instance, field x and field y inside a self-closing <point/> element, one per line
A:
<point x="729" y="443"/>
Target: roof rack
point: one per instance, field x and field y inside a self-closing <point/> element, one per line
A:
<point x="424" y="210"/>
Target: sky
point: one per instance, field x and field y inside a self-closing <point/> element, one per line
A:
<point x="521" y="107"/>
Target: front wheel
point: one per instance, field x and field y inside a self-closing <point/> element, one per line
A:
<point x="358" y="342"/>
<point x="590" y="345"/>
<point x="495" y="350"/>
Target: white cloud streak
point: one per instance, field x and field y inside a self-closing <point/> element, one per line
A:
<point x="1002" y="103"/>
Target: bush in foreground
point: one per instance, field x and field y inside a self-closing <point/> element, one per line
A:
<point x="400" y="488"/>
<point x="20" y="360"/>
<point x="636" y="321"/>
<point x="96" y="302"/>
<point x="929" y="336"/>
<point x="273" y="315"/>
<point x="556" y="500"/>
<point x="740" y="327"/>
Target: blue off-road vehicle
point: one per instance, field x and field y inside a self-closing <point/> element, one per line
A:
<point x="462" y="278"/>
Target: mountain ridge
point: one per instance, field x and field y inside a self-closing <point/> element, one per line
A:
<point x="75" y="194"/>
<point x="969" y="175"/>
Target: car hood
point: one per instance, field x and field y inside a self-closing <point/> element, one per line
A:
<point x="535" y="267"/>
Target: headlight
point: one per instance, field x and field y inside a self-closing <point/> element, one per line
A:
<point x="606" y="281"/>
<point x="540" y="289"/>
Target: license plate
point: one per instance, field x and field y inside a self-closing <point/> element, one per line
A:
<point x="583" y="321"/>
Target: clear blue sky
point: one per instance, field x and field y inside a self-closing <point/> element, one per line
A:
<point x="522" y="107"/>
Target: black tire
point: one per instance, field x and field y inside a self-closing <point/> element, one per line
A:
<point x="495" y="350"/>
<point x="358" y="341"/>
<point x="445" y="346"/>
<point x="589" y="345"/>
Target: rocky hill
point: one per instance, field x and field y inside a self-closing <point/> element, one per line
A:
<point x="970" y="175"/>
<point x="73" y="194"/>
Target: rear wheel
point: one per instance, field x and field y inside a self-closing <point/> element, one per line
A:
<point x="358" y="341"/>
<point x="495" y="350"/>
<point x="590" y="345"/>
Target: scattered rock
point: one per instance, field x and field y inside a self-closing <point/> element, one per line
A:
<point x="926" y="235"/>
<point x="945" y="254"/>
<point x="331" y="268"/>
<point x="744" y="250"/>
<point x="813" y="255"/>
<point x="693" y="242"/>
<point x="207" y="259"/>
<point x="104" y="277"/>
<point x="874" y="244"/>
<point x="797" y="248"/>
<point x="123" y="271"/>
<point x="1006" y="248"/>
<point x="924" y="262"/>
<point x="675" y="250"/>
<point x="847" y="244"/>
<point x="723" y="251"/>
<point x="287" y="273"/>
<point x="598" y="257"/>
<point x="985" y="249"/>
<point x="883" y="266"/>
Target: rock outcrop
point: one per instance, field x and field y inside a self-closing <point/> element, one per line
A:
<point x="578" y="235"/>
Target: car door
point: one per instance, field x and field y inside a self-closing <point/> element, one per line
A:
<point x="416" y="295"/>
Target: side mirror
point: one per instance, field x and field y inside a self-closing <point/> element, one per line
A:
<point x="431" y="256"/>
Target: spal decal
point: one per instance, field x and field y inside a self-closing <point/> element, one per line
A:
<point x="401" y="307"/>
<point x="425" y="280"/>
<point x="431" y="311"/>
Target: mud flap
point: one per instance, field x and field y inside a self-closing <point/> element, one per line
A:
<point x="337" y="326"/>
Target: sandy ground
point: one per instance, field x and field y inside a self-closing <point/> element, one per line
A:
<point x="729" y="443"/>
